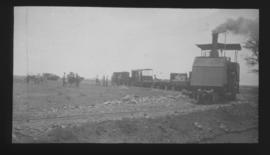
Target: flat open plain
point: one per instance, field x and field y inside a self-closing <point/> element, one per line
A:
<point x="50" y="113"/>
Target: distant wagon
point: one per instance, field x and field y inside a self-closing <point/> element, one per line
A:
<point x="120" y="78"/>
<point x="178" y="81"/>
<point x="142" y="77"/>
<point x="50" y="76"/>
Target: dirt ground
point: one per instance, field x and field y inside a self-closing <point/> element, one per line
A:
<point x="49" y="113"/>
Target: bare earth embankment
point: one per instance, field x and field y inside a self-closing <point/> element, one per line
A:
<point x="48" y="113"/>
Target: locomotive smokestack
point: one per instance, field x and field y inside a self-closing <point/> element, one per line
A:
<point x="214" y="51"/>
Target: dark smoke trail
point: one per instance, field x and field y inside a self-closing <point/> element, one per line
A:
<point x="241" y="26"/>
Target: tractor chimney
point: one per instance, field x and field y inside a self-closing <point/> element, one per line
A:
<point x="214" y="52"/>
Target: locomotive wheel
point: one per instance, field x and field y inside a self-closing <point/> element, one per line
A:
<point x="194" y="95"/>
<point x="208" y="98"/>
<point x="215" y="97"/>
<point x="197" y="97"/>
<point x="232" y="96"/>
<point x="204" y="98"/>
<point x="200" y="98"/>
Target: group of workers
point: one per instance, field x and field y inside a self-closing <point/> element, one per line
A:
<point x="37" y="79"/>
<point x="71" y="78"/>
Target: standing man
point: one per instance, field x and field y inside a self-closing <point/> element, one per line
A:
<point x="97" y="80"/>
<point x="106" y="81"/>
<point x="103" y="80"/>
<point x="64" y="80"/>
<point x="27" y="79"/>
<point x="77" y="80"/>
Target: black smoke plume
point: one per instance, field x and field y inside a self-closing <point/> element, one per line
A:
<point x="240" y="26"/>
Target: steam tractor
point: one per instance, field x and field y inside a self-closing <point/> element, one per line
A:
<point x="214" y="75"/>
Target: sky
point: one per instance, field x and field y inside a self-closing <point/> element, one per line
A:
<point x="95" y="41"/>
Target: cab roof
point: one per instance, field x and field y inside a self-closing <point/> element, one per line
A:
<point x="220" y="46"/>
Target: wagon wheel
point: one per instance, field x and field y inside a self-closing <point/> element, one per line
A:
<point x="199" y="98"/>
<point x="232" y="96"/>
<point x="165" y="87"/>
<point x="202" y="99"/>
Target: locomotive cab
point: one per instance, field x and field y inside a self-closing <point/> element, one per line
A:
<point x="215" y="76"/>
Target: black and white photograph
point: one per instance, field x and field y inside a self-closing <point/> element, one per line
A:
<point x="135" y="75"/>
